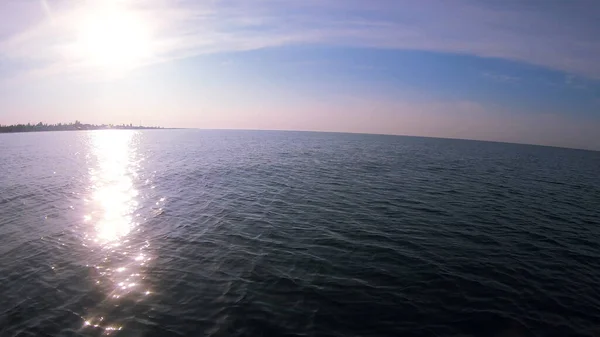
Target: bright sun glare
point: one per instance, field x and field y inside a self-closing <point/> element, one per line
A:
<point x="113" y="38"/>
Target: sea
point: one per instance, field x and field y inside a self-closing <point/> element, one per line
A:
<point x="270" y="233"/>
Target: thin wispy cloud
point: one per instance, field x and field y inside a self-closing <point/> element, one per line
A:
<point x="538" y="33"/>
<point x="501" y="77"/>
<point x="575" y="82"/>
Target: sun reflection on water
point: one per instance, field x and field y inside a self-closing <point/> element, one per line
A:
<point x="113" y="192"/>
<point x="119" y="256"/>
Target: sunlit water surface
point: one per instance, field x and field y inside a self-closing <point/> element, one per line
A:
<point x="239" y="233"/>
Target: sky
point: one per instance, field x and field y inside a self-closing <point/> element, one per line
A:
<point x="514" y="71"/>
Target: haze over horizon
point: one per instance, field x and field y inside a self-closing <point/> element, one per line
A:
<point x="523" y="72"/>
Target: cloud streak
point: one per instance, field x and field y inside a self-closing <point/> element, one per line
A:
<point x="560" y="37"/>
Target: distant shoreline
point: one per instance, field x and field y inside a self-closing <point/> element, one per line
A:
<point x="77" y="126"/>
<point x="127" y="127"/>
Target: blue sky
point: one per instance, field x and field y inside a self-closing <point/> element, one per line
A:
<point x="518" y="71"/>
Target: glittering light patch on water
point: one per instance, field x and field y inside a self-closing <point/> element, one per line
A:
<point x="113" y="193"/>
<point x="110" y="223"/>
<point x="97" y="323"/>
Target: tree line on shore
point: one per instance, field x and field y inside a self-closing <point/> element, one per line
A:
<point x="77" y="125"/>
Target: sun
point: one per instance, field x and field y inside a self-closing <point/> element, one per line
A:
<point x="113" y="38"/>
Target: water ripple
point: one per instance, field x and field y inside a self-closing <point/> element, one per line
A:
<point x="187" y="233"/>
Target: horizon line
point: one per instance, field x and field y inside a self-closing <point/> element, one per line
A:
<point x="318" y="131"/>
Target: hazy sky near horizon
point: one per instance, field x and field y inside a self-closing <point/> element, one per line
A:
<point x="517" y="71"/>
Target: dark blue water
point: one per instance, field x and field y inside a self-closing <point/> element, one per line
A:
<point x="239" y="233"/>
